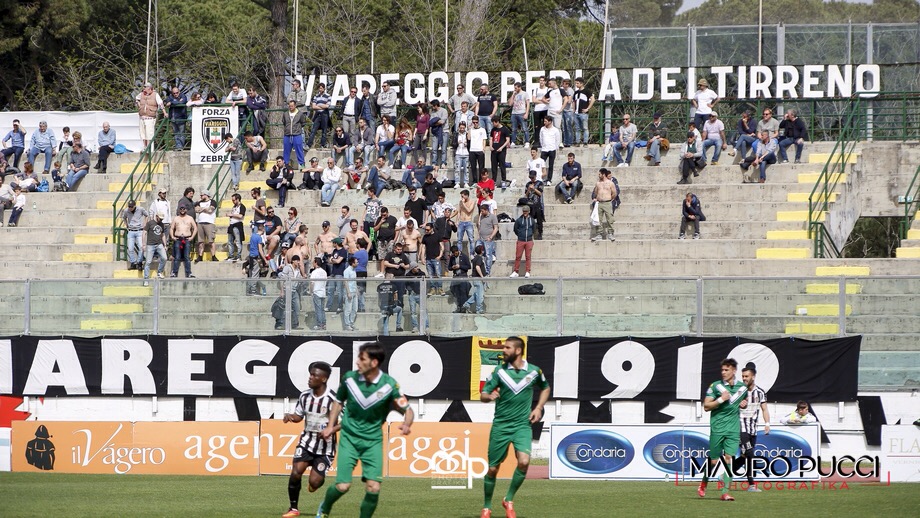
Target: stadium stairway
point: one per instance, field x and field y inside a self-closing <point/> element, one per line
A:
<point x="910" y="247"/>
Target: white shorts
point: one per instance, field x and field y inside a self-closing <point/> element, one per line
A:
<point x="147" y="128"/>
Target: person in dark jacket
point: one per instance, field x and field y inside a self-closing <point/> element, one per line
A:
<point x="691" y="214"/>
<point x="292" y="122"/>
<point x="459" y="265"/>
<point x="523" y="228"/>
<point x="746" y="135"/>
<point x="794" y="132"/>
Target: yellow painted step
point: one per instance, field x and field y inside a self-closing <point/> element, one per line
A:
<point x="248" y="185"/>
<point x="221" y="256"/>
<point x="117" y="187"/>
<point x="832" y="289"/>
<point x="157" y="168"/>
<point x="783" y="253"/>
<point x="803" y="197"/>
<point x="797" y="215"/>
<point x="104" y="204"/>
<point x="821" y="158"/>
<point x="846" y="271"/>
<point x="821" y="310"/>
<point x="88" y="257"/>
<point x="811" y="329"/>
<point x="121" y="309"/>
<point x="246" y="201"/>
<point x="127" y="274"/>
<point x="812" y="178"/>
<point x="913" y="233"/>
<point x="221" y="239"/>
<point x="787" y="234"/>
<point x="126" y="291"/>
<point x="908" y="252"/>
<point x="99" y="222"/>
<point x="222" y="222"/>
<point x="90" y="239"/>
<point x="105" y="325"/>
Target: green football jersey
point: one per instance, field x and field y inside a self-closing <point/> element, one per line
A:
<point x="725" y="419"/>
<point x="513" y="406"/>
<point x="367" y="403"/>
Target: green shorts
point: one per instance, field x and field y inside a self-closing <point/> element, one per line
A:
<point x="500" y="438"/>
<point x="723" y="445"/>
<point x="350" y="451"/>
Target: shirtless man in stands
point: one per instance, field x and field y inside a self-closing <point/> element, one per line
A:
<point x="323" y="244"/>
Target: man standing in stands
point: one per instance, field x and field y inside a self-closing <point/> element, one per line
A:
<point x="486" y="107"/>
<point x="182" y="232"/>
<point x="704" y="100"/>
<point x="605" y="191"/>
<point x="478" y="138"/>
<point x="207" y="231"/>
<point x="155" y="246"/>
<point x="500" y="138"/>
<point x="178" y="114"/>
<point x="550" y="141"/>
<point x="135" y="220"/>
<point x="320" y="106"/>
<point x="523" y="229"/>
<point x="148" y="103"/>
<point x="583" y="101"/>
<point x="293" y="122"/>
<point x="387" y="101"/>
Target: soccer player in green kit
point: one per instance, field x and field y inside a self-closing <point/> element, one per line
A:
<point x="511" y="386"/>
<point x="367" y="395"/>
<point x="725" y="399"/>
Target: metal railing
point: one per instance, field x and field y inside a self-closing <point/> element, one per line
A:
<point x="220" y="180"/>
<point x="136" y="185"/>
<point x="911" y="203"/>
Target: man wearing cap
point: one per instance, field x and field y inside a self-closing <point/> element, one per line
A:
<point x="155" y="234"/>
<point x="704" y="100"/>
<point x="182" y="231"/>
<point x="323" y="245"/>
<point x="338" y="261"/>
<point x="605" y="191"/>
<point x="135" y="220"/>
<point x="385" y="229"/>
<point x="533" y="193"/>
<point x="523" y="229"/>
<point x="17" y="139"/>
<point x="148" y="104"/>
<point x="714" y="136"/>
<point x="312" y="176"/>
<point x="162" y="205"/>
<point x="42" y="141"/>
<point x="656" y="133"/>
<point x="206" y="212"/>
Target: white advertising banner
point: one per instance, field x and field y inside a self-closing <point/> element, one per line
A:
<point x="87" y="123"/>
<point x="901" y="452"/>
<point x="209" y="125"/>
<point x="663" y="452"/>
<point x="5" y="449"/>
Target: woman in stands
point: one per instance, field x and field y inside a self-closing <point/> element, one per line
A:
<point x="384" y="136"/>
<point x="404" y="132"/>
<point x="420" y="134"/>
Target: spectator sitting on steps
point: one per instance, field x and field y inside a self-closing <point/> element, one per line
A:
<point x="691" y="214"/>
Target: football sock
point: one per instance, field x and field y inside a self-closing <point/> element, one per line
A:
<point x="332" y="496"/>
<point x="369" y="504"/>
<point x="726" y="481"/>
<point x="516" y="480"/>
<point x="488" y="484"/>
<point x="294" y="491"/>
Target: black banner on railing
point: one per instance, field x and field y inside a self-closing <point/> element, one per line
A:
<point x="647" y="369"/>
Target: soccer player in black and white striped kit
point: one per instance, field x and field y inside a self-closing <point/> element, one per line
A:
<point x="313" y="407"/>
<point x="756" y="403"/>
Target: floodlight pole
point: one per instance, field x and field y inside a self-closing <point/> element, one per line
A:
<point x="606" y="26"/>
<point x="760" y="35"/>
<point x="445" y="34"/>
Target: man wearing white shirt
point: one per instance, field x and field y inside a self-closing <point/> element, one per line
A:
<point x="536" y="163"/>
<point x="550" y="140"/>
<point x="332" y="178"/>
<point x="349" y="106"/>
<point x="704" y="100"/>
<point x="555" y="100"/>
<point x="539" y="109"/>
<point x="478" y="137"/>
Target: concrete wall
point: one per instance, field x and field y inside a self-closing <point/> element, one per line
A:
<point x="885" y="170"/>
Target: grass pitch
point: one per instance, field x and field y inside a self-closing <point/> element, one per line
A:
<point x="49" y="494"/>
